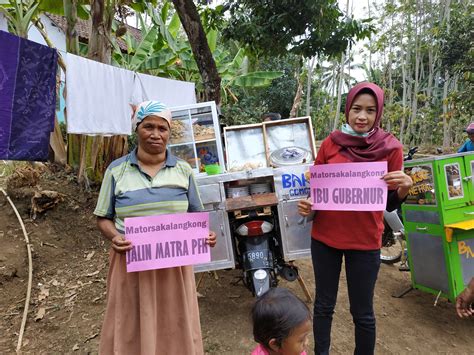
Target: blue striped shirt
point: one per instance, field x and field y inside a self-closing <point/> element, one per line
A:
<point x="128" y="191"/>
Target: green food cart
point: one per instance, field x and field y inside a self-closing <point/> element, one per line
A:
<point x="439" y="223"/>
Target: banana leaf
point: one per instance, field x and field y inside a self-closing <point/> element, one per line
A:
<point x="257" y="79"/>
<point x="57" y="7"/>
<point x="173" y="26"/>
<point x="160" y="23"/>
<point x="159" y="60"/>
<point x="212" y="40"/>
<point x="144" y="49"/>
<point x="238" y="59"/>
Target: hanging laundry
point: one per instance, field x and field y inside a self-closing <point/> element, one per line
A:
<point x="172" y="92"/>
<point x="27" y="98"/>
<point x="98" y="97"/>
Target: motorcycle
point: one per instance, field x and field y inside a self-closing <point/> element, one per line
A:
<point x="393" y="237"/>
<point x="259" y="254"/>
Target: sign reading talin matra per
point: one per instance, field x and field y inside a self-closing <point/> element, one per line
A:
<point x="166" y="241"/>
<point x="349" y="186"/>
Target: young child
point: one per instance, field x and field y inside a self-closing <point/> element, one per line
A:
<point x="281" y="323"/>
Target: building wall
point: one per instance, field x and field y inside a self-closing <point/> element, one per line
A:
<point x="55" y="34"/>
<point x="3" y="22"/>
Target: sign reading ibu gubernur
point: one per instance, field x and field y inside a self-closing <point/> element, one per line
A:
<point x="165" y="241"/>
<point x="349" y="186"/>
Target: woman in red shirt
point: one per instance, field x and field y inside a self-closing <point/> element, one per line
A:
<point x="354" y="235"/>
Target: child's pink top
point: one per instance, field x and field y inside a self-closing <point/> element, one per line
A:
<point x="260" y="350"/>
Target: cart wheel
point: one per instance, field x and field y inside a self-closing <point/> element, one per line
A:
<point x="289" y="273"/>
<point x="392" y="248"/>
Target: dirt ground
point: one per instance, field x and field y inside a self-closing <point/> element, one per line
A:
<point x="68" y="294"/>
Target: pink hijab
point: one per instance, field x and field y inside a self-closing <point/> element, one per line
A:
<point x="378" y="144"/>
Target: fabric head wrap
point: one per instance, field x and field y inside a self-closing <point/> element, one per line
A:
<point x="150" y="108"/>
<point x="470" y="128"/>
<point x="378" y="143"/>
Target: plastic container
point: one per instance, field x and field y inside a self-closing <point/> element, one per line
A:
<point x="212" y="169"/>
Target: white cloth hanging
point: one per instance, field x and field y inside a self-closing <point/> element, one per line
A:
<point x="171" y="92"/>
<point x="98" y="97"/>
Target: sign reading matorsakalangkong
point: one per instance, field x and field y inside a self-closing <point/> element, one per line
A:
<point x="349" y="186"/>
<point x="165" y="241"/>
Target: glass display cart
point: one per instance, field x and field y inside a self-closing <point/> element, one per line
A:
<point x="263" y="178"/>
<point x="439" y="223"/>
<point x="195" y="136"/>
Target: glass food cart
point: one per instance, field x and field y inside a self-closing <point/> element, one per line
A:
<point x="263" y="174"/>
<point x="439" y="223"/>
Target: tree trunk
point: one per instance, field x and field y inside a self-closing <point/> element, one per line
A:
<point x="308" y="85"/>
<point x="72" y="38"/>
<point x="297" y="100"/>
<point x="100" y="48"/>
<point x="390" y="80"/>
<point x="414" y="100"/>
<point x="339" y="94"/>
<point x="406" y="82"/>
<point x="339" y="85"/>
<point x="56" y="140"/>
<point x="445" y="111"/>
<point x="72" y="46"/>
<point x="446" y="133"/>
<point x="191" y="22"/>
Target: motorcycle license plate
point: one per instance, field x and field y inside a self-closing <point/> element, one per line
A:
<point x="257" y="258"/>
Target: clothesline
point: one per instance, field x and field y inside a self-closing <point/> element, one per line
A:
<point x="104" y="108"/>
<point x="98" y="97"/>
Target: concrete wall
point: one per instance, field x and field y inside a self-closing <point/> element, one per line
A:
<point x="3" y="23"/>
<point x="55" y="34"/>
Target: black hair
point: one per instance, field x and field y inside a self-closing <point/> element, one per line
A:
<point x="367" y="91"/>
<point x="273" y="116"/>
<point x="275" y="314"/>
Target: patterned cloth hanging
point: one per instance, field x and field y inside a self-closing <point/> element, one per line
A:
<point x="27" y="98"/>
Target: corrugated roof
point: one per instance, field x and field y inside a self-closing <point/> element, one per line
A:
<point x="83" y="28"/>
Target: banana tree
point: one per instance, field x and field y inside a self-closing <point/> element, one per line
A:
<point x="163" y="51"/>
<point x="235" y="73"/>
<point x="19" y="15"/>
<point x="158" y="47"/>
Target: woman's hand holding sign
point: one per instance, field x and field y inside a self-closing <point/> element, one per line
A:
<point x="400" y="181"/>
<point x="120" y="244"/>
<point x="211" y="239"/>
<point x="304" y="207"/>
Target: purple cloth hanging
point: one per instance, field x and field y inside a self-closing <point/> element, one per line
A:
<point x="27" y="98"/>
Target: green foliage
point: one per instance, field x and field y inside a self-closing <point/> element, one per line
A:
<point x="457" y="42"/>
<point x="138" y="55"/>
<point x="457" y="57"/>
<point x="322" y="120"/>
<point x="302" y="27"/>
<point x="257" y="78"/>
<point x="164" y="51"/>
<point x="247" y="110"/>
<point x="19" y="15"/>
<point x="56" y="7"/>
<point x="276" y="97"/>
